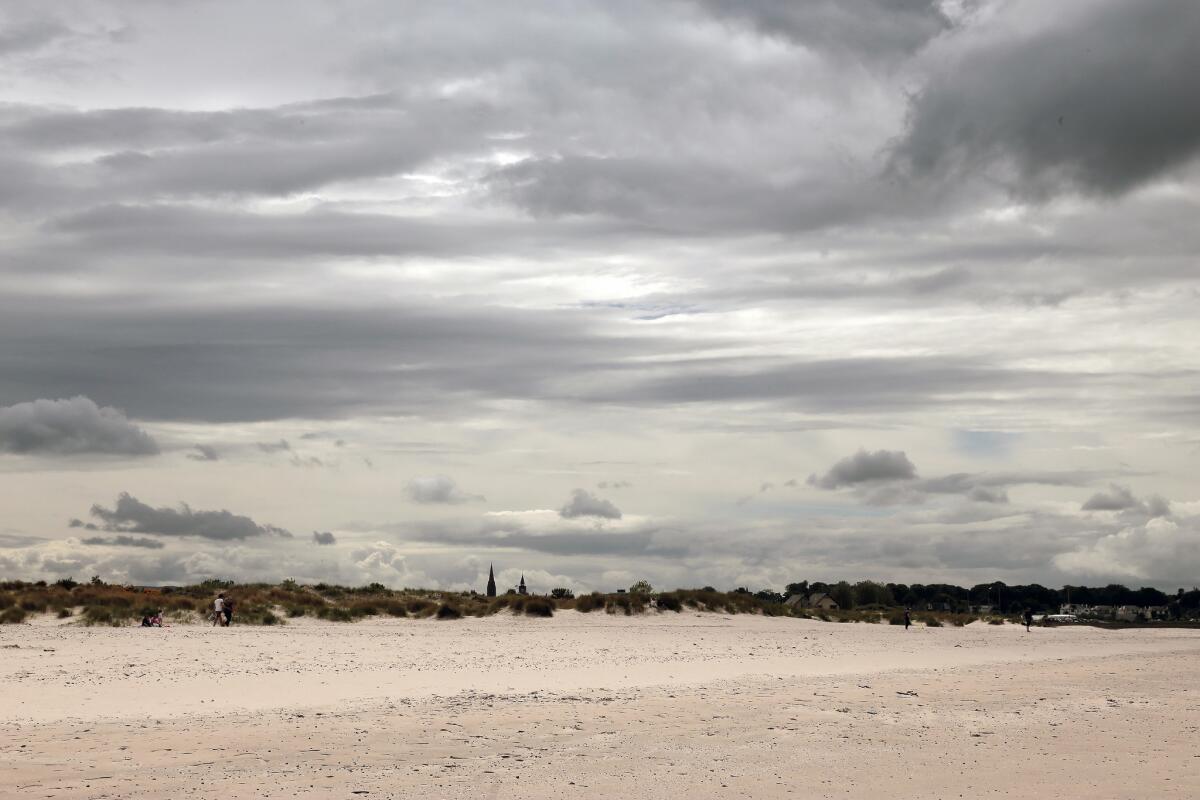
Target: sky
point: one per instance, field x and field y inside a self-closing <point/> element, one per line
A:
<point x="724" y="292"/>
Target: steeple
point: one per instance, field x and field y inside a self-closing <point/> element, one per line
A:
<point x="491" y="587"/>
<point x="521" y="587"/>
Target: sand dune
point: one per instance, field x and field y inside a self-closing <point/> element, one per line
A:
<point x="690" y="705"/>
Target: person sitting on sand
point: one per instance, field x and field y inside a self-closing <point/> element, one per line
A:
<point x="146" y="623"/>
<point x="219" y="610"/>
<point x="156" y="619"/>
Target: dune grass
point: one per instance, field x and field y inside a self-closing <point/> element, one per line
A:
<point x="97" y="603"/>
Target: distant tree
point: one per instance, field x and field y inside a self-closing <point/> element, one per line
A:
<point x="842" y="594"/>
<point x="641" y="587"/>
<point x="800" y="588"/>
<point x="66" y="583"/>
<point x="96" y="581"/>
<point x="561" y="594"/>
<point x="867" y="593"/>
<point x="768" y="596"/>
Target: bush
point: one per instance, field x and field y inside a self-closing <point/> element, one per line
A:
<point x="447" y="611"/>
<point x="268" y="618"/>
<point x="335" y="614"/>
<point x="66" y="583"/>
<point x="12" y="616"/>
<point x="421" y="608"/>
<point x="539" y="607"/>
<point x="670" y="602"/>
<point x="896" y="619"/>
<point x="63" y="613"/>
<point x="932" y="622"/>
<point x="104" y="615"/>
<point x="562" y="594"/>
<point x="589" y="602"/>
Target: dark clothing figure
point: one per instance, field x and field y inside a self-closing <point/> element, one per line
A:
<point x="1028" y="619"/>
<point x="907" y="619"/>
<point x="228" y="612"/>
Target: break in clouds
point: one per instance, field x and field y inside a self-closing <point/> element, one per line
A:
<point x="852" y="289"/>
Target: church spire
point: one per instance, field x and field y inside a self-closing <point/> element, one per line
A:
<point x="491" y="587"/>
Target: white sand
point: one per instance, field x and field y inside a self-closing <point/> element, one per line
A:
<point x="584" y="706"/>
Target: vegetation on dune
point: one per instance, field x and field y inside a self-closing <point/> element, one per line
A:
<point x="97" y="603"/>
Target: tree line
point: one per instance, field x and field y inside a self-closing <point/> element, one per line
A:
<point x="1000" y="596"/>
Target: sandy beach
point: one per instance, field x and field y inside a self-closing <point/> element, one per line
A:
<point x="690" y="705"/>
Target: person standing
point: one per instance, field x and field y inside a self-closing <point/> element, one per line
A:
<point x="219" y="610"/>
<point x="907" y="618"/>
<point x="228" y="612"/>
<point x="1028" y="618"/>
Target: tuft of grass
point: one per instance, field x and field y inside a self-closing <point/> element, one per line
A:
<point x="12" y="616"/>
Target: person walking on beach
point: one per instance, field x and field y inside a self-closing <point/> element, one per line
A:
<point x="1028" y="618"/>
<point x="218" y="610"/>
<point x="228" y="611"/>
<point x="907" y="618"/>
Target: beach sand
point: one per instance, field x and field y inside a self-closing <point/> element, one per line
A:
<point x="580" y="706"/>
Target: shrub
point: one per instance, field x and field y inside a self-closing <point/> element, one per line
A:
<point x="539" y="607"/>
<point x="995" y="621"/>
<point x="335" y="614"/>
<point x="12" y="616"/>
<point x="268" y="618"/>
<point x="589" y="602"/>
<point x="619" y="602"/>
<point x="104" y="615"/>
<point x="932" y="622"/>
<point x="670" y="602"/>
<point x="897" y="618"/>
<point x="562" y="594"/>
<point x="447" y="611"/>
<point x="296" y="611"/>
<point x="421" y="608"/>
<point x="66" y="583"/>
<point x="63" y="613"/>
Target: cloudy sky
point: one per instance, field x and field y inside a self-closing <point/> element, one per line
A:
<point x="730" y="292"/>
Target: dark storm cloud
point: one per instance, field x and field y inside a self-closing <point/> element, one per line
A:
<point x="124" y="541"/>
<point x="583" y="503"/>
<point x="75" y="426"/>
<point x="323" y="537"/>
<point x="864" y="29"/>
<point x="272" y="363"/>
<point x="131" y="515"/>
<point x="865" y="467"/>
<point x="1101" y="99"/>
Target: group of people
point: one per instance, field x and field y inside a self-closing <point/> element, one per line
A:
<point x="222" y="611"/>
<point x="152" y="620"/>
